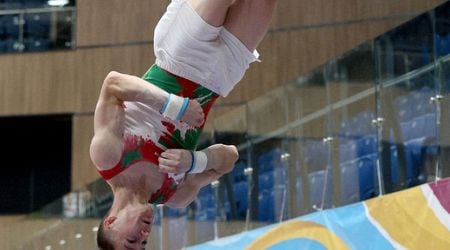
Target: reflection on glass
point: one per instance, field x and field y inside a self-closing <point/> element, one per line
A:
<point x="406" y="48"/>
<point x="442" y="36"/>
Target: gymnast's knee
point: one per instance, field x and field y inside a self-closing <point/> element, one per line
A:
<point x="232" y="155"/>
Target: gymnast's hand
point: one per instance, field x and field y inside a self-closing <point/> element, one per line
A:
<point x="175" y="161"/>
<point x="193" y="115"/>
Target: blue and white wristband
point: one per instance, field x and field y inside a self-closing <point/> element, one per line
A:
<point x="174" y="107"/>
<point x="199" y="162"/>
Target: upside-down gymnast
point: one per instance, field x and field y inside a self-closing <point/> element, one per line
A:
<point x="146" y="129"/>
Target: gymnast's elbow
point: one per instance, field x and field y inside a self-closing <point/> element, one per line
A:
<point x="112" y="79"/>
<point x="113" y="84"/>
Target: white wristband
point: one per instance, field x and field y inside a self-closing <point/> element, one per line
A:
<point x="199" y="162"/>
<point x="174" y="107"/>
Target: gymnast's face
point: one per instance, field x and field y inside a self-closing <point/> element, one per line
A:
<point x="131" y="227"/>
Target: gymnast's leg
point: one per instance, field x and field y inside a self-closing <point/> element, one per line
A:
<point x="249" y="20"/>
<point x="213" y="12"/>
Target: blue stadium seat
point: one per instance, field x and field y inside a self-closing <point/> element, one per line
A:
<point x="2" y="27"/>
<point x="11" y="26"/>
<point x="367" y="145"/>
<point x="266" y="206"/>
<point x="206" y="204"/>
<point x="349" y="182"/>
<point x="405" y="107"/>
<point x="442" y="44"/>
<point x="430" y="125"/>
<point x="367" y="177"/>
<point x="226" y="205"/>
<point x="207" y="201"/>
<point x="418" y="127"/>
<point x="206" y="214"/>
<point x="238" y="171"/>
<point x="37" y="25"/>
<point x="13" y="45"/>
<point x="280" y="202"/>
<point x="175" y="212"/>
<point x="269" y="160"/>
<point x="316" y="155"/>
<point x="266" y="181"/>
<point x="358" y="125"/>
<point x="2" y="46"/>
<point x="317" y="189"/>
<point x="34" y="45"/>
<point x="348" y="151"/>
<point x="274" y="181"/>
<point x="345" y="130"/>
<point x="394" y="164"/>
<point x="299" y="192"/>
<point x="240" y="190"/>
<point x="363" y="123"/>
<point x="280" y="176"/>
<point x="421" y="101"/>
<point x="418" y="134"/>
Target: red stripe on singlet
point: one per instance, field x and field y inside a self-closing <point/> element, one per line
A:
<point x="146" y="148"/>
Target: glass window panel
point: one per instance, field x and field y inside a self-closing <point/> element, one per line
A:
<point x="315" y="164"/>
<point x="10" y="39"/>
<point x="37" y="29"/>
<point x="231" y="127"/>
<point x="352" y="111"/>
<point x="308" y="155"/>
<point x="297" y="173"/>
<point x="444" y="127"/>
<point x="267" y="113"/>
<point x="351" y="73"/>
<point x="306" y="97"/>
<point x="270" y="179"/>
<point x="409" y="128"/>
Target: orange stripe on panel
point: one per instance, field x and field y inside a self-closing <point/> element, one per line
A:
<point x="298" y="230"/>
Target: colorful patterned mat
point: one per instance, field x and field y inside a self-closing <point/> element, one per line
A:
<point x="416" y="218"/>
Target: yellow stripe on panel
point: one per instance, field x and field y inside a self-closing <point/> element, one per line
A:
<point x="408" y="220"/>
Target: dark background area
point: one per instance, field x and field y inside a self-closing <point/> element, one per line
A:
<point x="35" y="161"/>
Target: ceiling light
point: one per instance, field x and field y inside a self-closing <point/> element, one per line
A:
<point x="57" y="2"/>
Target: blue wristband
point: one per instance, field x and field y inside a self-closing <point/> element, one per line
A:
<point x="192" y="162"/>
<point x="183" y="108"/>
<point x="163" y="108"/>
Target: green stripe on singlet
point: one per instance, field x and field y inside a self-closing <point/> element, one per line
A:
<point x="162" y="79"/>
